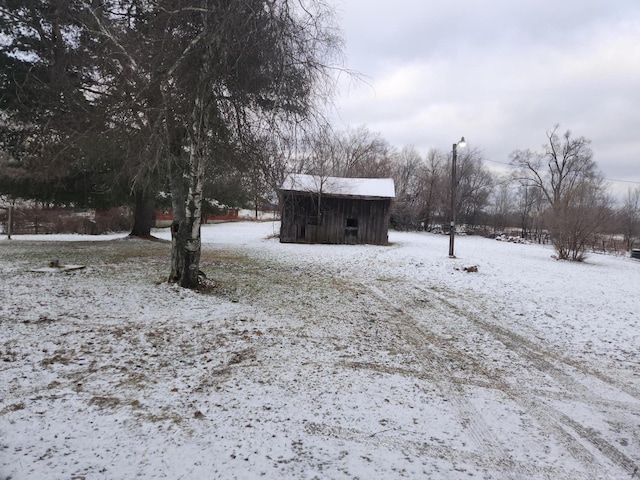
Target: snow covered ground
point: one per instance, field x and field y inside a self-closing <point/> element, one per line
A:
<point x="317" y="361"/>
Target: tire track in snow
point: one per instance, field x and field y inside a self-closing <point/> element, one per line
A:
<point x="421" y="449"/>
<point x="536" y="353"/>
<point x="405" y="325"/>
<point x="538" y="357"/>
<point x="546" y="361"/>
<point x="554" y="420"/>
<point x="432" y="358"/>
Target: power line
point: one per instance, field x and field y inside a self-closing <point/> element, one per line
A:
<point x="502" y="163"/>
<point x="607" y="179"/>
<point x="623" y="181"/>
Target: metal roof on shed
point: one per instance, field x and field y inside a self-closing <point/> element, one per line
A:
<point x="348" y="187"/>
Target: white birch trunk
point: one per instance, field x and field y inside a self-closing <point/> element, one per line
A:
<point x="193" y="218"/>
<point x="186" y="240"/>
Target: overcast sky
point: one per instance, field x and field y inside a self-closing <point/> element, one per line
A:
<point x="498" y="72"/>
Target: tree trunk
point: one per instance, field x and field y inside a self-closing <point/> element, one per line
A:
<point x="187" y="218"/>
<point x="143" y="215"/>
<point x="179" y="224"/>
<point x="10" y="221"/>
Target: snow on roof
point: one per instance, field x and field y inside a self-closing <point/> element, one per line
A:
<point x="351" y="187"/>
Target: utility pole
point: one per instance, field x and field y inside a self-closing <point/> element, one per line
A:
<point x="452" y="230"/>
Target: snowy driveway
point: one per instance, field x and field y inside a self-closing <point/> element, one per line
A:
<point x="317" y="361"/>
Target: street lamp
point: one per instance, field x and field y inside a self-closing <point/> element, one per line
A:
<point x="452" y="230"/>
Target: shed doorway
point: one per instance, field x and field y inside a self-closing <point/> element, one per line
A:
<point x="351" y="231"/>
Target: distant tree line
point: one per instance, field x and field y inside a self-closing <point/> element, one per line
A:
<point x="556" y="194"/>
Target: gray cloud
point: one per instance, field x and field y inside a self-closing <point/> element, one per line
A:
<point x="500" y="73"/>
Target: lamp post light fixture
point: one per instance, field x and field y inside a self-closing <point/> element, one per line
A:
<point x="452" y="230"/>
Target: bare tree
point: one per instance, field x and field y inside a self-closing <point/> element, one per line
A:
<point x="502" y="202"/>
<point x="423" y="188"/>
<point x="433" y="179"/>
<point x="629" y="216"/>
<point x="350" y="154"/>
<point x="530" y="206"/>
<point x="568" y="178"/>
<point x="218" y="72"/>
<point x="408" y="169"/>
<point x="586" y="215"/>
<point x="364" y="154"/>
<point x="474" y="184"/>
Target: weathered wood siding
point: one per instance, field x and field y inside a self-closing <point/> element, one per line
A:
<point x="342" y="220"/>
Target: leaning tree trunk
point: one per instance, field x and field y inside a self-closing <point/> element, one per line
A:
<point x="143" y="214"/>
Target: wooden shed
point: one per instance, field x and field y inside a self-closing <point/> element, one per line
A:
<point x="335" y="210"/>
